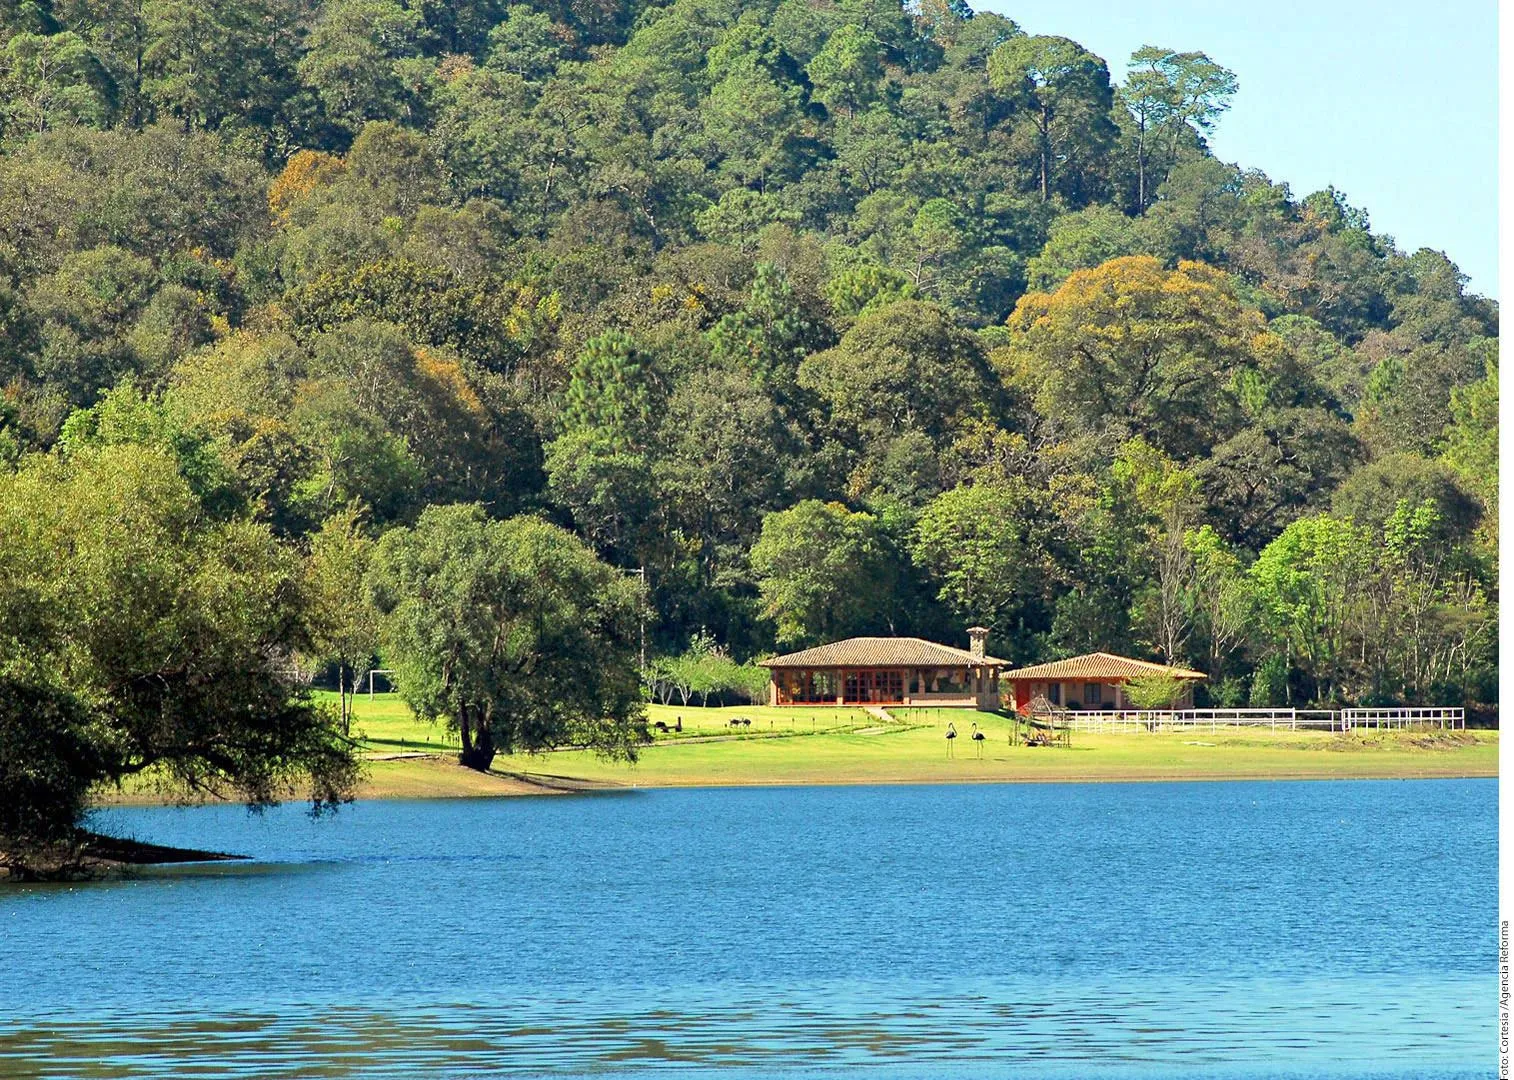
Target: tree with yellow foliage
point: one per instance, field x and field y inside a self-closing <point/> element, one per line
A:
<point x="1131" y="348"/>
<point x="305" y="171"/>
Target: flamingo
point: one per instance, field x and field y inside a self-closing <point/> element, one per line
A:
<point x="951" y="733"/>
<point x="978" y="737"/>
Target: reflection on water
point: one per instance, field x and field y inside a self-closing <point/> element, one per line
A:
<point x="1138" y="1035"/>
<point x="1215" y="930"/>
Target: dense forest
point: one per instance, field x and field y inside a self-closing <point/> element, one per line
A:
<point x="808" y="317"/>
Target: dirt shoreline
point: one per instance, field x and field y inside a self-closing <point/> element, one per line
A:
<point x="92" y="856"/>
<point x="408" y="776"/>
<point x="439" y="776"/>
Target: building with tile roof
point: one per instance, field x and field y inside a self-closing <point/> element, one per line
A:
<point x="1092" y="681"/>
<point x="888" y="671"/>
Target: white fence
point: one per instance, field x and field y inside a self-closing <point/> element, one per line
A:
<point x="1132" y="720"/>
<point x="1401" y="718"/>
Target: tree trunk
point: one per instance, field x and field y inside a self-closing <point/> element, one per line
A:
<point x="480" y="754"/>
<point x="1045" y="154"/>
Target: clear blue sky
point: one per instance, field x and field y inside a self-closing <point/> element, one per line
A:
<point x="1394" y="102"/>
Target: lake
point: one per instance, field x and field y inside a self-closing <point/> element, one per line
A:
<point x="1216" y="930"/>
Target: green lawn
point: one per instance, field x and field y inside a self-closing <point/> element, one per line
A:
<point x="385" y="723"/>
<point x="830" y="745"/>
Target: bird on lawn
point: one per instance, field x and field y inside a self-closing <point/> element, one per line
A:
<point x="951" y="733"/>
<point x="978" y="738"/>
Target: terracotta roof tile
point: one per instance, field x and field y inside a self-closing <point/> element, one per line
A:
<point x="1100" y="665"/>
<point x="880" y="652"/>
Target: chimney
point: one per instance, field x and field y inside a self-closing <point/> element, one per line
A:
<point x="976" y="636"/>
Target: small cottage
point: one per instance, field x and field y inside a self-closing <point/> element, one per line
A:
<point x="888" y="671"/>
<point x="1093" y="681"/>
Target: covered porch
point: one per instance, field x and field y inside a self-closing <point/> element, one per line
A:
<point x="960" y="686"/>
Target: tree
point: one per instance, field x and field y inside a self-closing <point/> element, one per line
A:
<point x="158" y="638"/>
<point x="1081" y="241"/>
<point x="1132" y="349"/>
<point x="1161" y="500"/>
<point x="1406" y="404"/>
<point x="525" y="44"/>
<point x="211" y="64"/>
<point x="1372" y="494"/>
<point x="49" y="81"/>
<point x="1218" y="595"/>
<point x="845" y="73"/>
<point x="598" y="466"/>
<point x="899" y="368"/>
<point x="344" y="626"/>
<point x="823" y="572"/>
<point x="704" y="668"/>
<point x="510" y="631"/>
<point x="1155" y="691"/>
<point x="986" y="547"/>
<point x="1433" y="628"/>
<point x="728" y="456"/>
<point x="87" y="309"/>
<point x="1310" y="583"/>
<point x="353" y="57"/>
<point x="1169" y="93"/>
<point x="771" y="333"/>
<point x="864" y="286"/>
<point x="1471" y="445"/>
<point x="1063" y="92"/>
<point x="1274" y="470"/>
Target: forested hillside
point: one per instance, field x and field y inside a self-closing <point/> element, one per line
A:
<point x="835" y="316"/>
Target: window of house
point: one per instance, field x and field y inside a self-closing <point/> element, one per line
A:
<point x="1054" y="693"/>
<point x="1093" y="693"/>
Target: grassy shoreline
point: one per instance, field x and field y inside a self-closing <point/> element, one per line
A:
<point x="804" y="747"/>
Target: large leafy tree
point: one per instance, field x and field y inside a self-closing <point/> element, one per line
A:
<point x="1131" y="348"/>
<point x="512" y="632"/>
<point x="1310" y="584"/>
<point x="729" y="456"/>
<point x="50" y="80"/>
<point x="215" y="64"/>
<point x="161" y="639"/>
<point x="823" y="572"/>
<point x="1274" y="470"/>
<point x="1471" y="444"/>
<point x="988" y="549"/>
<point x="845" y="73"/>
<point x="902" y="368"/>
<point x="1061" y="92"/>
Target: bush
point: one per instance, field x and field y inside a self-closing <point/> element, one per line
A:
<point x="1269" y="683"/>
<point x="1154" y="691"/>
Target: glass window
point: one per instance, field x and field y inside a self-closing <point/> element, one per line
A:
<point x="1054" y="693"/>
<point x="1093" y="694"/>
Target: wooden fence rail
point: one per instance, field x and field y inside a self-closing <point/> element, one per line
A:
<point x="1131" y="720"/>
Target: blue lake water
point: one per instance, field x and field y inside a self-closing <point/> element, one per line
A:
<point x="1217" y="930"/>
